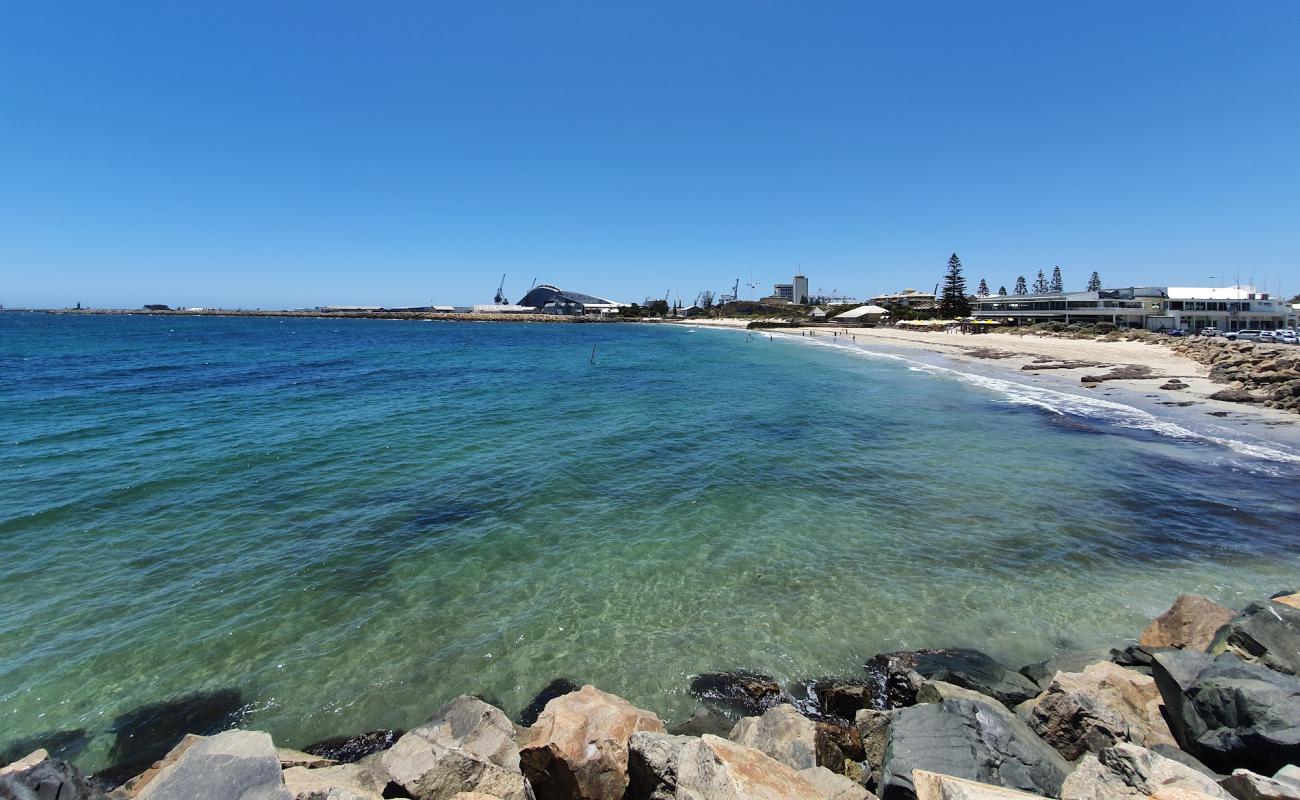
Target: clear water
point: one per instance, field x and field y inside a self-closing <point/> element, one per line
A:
<point x="351" y="521"/>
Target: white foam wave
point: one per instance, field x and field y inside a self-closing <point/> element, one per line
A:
<point x="1061" y="402"/>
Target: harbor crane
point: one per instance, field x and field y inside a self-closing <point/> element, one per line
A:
<point x="500" y="299"/>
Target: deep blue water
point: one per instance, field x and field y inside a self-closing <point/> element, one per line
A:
<point x="350" y="521"/>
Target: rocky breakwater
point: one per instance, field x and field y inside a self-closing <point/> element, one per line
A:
<point x="1205" y="704"/>
<point x="1254" y="373"/>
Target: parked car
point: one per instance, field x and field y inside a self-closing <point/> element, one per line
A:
<point x="1288" y="338"/>
<point x="1247" y="335"/>
<point x="1211" y="332"/>
<point x="1175" y="332"/>
<point x="1265" y="336"/>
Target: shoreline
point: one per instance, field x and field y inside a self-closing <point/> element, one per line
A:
<point x="907" y="725"/>
<point x="1045" y="361"/>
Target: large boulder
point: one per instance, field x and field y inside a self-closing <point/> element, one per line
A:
<point x="710" y="768"/>
<point x="1289" y="774"/>
<point x="1189" y="624"/>
<point x="938" y="691"/>
<point x="972" y="740"/>
<point x="231" y="765"/>
<point x="1042" y="672"/>
<point x="933" y="786"/>
<point x="1246" y="785"/>
<point x="833" y="786"/>
<point x="964" y="667"/>
<point x="738" y="692"/>
<point x="666" y="767"/>
<point x="578" y="748"/>
<point x="873" y="729"/>
<point x="1266" y="632"/>
<point x="652" y="765"/>
<point x="1229" y="713"/>
<point x="328" y="783"/>
<point x="468" y="746"/>
<point x="1090" y="710"/>
<point x="789" y="737"/>
<point x="1129" y="771"/>
<point x="556" y="688"/>
<point x="38" y="776"/>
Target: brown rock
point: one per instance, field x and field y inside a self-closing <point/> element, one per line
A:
<point x="710" y="768"/>
<point x="1189" y="624"/>
<point x="1105" y="704"/>
<point x="1246" y="785"/>
<point x="1292" y="600"/>
<point x="933" y="786"/>
<point x="577" y="749"/>
<point x="317" y="784"/>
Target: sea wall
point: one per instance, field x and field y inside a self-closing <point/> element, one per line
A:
<point x="1204" y="705"/>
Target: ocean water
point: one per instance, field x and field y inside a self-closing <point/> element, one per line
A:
<point x="348" y="522"/>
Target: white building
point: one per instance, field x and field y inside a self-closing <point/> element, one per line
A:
<point x="1152" y="307"/>
<point x="796" y="292"/>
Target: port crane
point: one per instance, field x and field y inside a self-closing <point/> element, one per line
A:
<point x="735" y="293"/>
<point x="500" y="299"/>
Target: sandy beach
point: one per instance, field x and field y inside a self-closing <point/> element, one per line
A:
<point x="1042" y="356"/>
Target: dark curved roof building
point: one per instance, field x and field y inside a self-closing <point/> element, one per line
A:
<point x="554" y="300"/>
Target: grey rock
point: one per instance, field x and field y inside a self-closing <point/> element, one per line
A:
<point x="652" y="765"/>
<point x="232" y="765"/>
<point x="38" y="777"/>
<point x="1186" y="759"/>
<point x="1266" y="632"/>
<point x="1246" y="785"/>
<point x="467" y="746"/>
<point x="964" y="667"/>
<point x="782" y="733"/>
<point x="1229" y="713"/>
<point x="938" y="691"/>
<point x="972" y="740"/>
<point x="1127" y="770"/>
<point x="1288" y="774"/>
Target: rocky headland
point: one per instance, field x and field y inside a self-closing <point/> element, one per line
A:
<point x="1206" y="704"/>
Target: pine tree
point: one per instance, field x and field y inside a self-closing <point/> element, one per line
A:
<point x="1002" y="291"/>
<point x="1020" y="286"/>
<point x="1057" y="284"/>
<point x="1094" y="283"/>
<point x="983" y="291"/>
<point x="1040" y="283"/>
<point x="953" y="303"/>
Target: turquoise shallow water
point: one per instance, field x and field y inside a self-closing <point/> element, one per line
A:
<point x="351" y="521"/>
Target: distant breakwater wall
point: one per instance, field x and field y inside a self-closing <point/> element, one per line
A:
<point x="408" y="315"/>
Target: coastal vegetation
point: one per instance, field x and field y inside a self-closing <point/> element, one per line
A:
<point x="953" y="302"/>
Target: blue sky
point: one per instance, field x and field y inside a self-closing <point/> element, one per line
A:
<point x="295" y="154"/>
